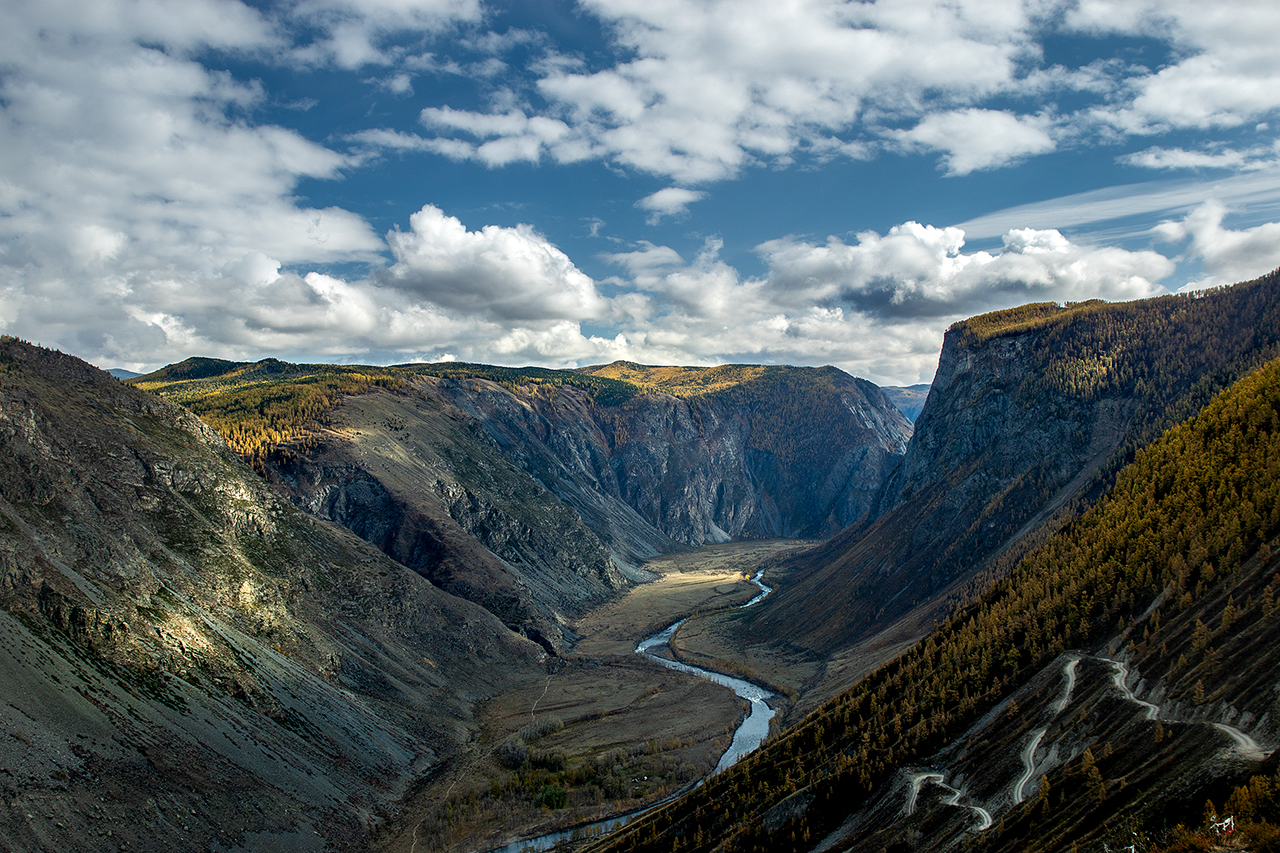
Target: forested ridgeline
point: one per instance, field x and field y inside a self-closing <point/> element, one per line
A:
<point x="1032" y="413"/>
<point x="258" y="407"/>
<point x="1190" y="520"/>
<point x="1173" y="353"/>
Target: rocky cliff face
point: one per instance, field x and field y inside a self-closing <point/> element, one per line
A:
<point x="186" y="655"/>
<point x="751" y="462"/>
<point x="539" y="493"/>
<point x="415" y="476"/>
<point x="1029" y="415"/>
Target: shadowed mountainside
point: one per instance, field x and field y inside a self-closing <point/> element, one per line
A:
<point x="1031" y="413"/>
<point x="186" y="655"/>
<point x="986" y="734"/>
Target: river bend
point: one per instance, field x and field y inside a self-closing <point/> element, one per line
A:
<point x="750" y="733"/>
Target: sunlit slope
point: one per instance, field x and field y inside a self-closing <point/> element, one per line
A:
<point x="186" y="654"/>
<point x="258" y="406"/>
<point x="1031" y="413"/>
<point x="701" y="454"/>
<point x="1189" y="525"/>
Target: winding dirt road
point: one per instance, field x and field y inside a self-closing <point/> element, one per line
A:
<point x="1028" y="764"/>
<point x="1119" y="677"/>
<point x="919" y="779"/>
<point x="1245" y="746"/>
<point x="1068" y="670"/>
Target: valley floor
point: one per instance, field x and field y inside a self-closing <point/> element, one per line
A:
<point x="606" y="732"/>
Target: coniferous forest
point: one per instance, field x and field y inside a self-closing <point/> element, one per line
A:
<point x="1175" y="561"/>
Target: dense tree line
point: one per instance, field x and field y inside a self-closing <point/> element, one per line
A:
<point x="1182" y="517"/>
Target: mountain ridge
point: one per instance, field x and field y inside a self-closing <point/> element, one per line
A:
<point x="658" y="459"/>
<point x="1183" y="542"/>
<point x="178" y="635"/>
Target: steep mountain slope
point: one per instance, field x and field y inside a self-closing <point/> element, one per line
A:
<point x="536" y="493"/>
<point x="1030" y="414"/>
<point x="187" y="656"/>
<point x="1120" y="674"/>
<point x="385" y="453"/>
<point x="749" y="451"/>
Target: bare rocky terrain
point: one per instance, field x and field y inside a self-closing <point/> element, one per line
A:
<point x="188" y="660"/>
<point x="423" y="482"/>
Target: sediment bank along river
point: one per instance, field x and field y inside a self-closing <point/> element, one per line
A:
<point x="750" y="733"/>
<point x="755" y="728"/>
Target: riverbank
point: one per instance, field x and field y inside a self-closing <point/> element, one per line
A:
<point x="613" y="731"/>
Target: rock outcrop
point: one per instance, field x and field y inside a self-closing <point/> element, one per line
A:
<point x="186" y="657"/>
<point x="540" y="493"/>
<point x="1030" y="414"/>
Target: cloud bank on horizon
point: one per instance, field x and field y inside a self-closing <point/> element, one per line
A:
<point x="661" y="181"/>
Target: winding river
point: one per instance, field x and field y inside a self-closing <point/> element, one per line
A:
<point x="755" y="728"/>
<point x="750" y="734"/>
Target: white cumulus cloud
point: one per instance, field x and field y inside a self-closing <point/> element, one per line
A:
<point x="1225" y="71"/>
<point x="861" y="306"/>
<point x="128" y="182"/>
<point x="1226" y="255"/>
<point x="976" y="139"/>
<point x="508" y="274"/>
<point x="919" y="270"/>
<point x="671" y="201"/>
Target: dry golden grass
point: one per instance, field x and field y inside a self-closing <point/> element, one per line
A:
<point x="708" y="578"/>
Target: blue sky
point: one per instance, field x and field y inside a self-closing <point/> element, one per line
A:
<point x="564" y="183"/>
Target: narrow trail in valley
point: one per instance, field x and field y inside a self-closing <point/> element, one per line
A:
<point x="533" y="712"/>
